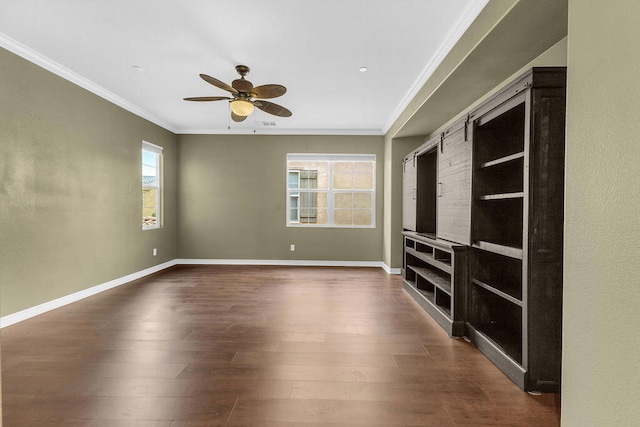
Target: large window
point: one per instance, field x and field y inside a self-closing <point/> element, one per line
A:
<point x="331" y="190"/>
<point x="151" y="185"/>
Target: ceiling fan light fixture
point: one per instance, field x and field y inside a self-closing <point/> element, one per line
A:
<point x="241" y="107"/>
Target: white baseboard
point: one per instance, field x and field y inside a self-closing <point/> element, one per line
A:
<point x="293" y="262"/>
<point x="28" y="313"/>
<point x="77" y="296"/>
<point x="390" y="270"/>
<point x="308" y="263"/>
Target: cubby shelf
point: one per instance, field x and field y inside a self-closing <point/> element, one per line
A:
<point x="435" y="276"/>
<point x="429" y="259"/>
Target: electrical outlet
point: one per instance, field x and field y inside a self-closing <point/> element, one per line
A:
<point x="293" y="248"/>
<point x="155" y="252"/>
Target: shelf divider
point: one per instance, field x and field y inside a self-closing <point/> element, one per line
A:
<point x="503" y="196"/>
<point x="433" y="278"/>
<point x="502" y="160"/>
<point x="428" y="258"/>
<point x="498" y="292"/>
<point x="509" y="251"/>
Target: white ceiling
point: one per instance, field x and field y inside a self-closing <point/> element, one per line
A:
<point x="314" y="48"/>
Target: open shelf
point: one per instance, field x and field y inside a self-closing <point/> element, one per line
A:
<point x="502" y="160"/>
<point x="497" y="272"/>
<point x="501" y="136"/>
<point x="441" y="280"/>
<point x="429" y="254"/>
<point x="435" y="276"/>
<point x="498" y="319"/>
<point x="504" y="177"/>
<point x="499" y="221"/>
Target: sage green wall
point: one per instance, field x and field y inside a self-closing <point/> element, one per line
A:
<point x="232" y="200"/>
<point x="555" y="56"/>
<point x="601" y="330"/>
<point x="70" y="192"/>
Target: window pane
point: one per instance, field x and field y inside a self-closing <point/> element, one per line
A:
<point x="149" y="169"/>
<point x="362" y="217"/>
<point x="149" y="158"/>
<point x="293" y="179"/>
<point x="363" y="181"/>
<point x="308" y="207"/>
<point x="323" y="181"/>
<point x="321" y="216"/>
<point x="293" y="213"/>
<point x="342" y="181"/>
<point x="363" y="167"/>
<point x="309" y="179"/>
<point x="342" y="217"/>
<point x="319" y="166"/>
<point x="337" y="181"/>
<point x="362" y="200"/>
<point x="149" y="207"/>
<point x="151" y="181"/>
<point x="322" y="199"/>
<point x="343" y="167"/>
<point x="298" y="164"/>
<point x="343" y="200"/>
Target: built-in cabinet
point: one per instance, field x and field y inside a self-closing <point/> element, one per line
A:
<point x="435" y="275"/>
<point x="499" y="185"/>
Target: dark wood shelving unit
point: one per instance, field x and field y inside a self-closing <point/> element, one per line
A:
<point x="435" y="276"/>
<point x="483" y="227"/>
<point x="515" y="266"/>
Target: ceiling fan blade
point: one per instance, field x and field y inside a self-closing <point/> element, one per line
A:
<point x="207" y="98"/>
<point x="269" y="91"/>
<point x="271" y="108"/>
<point x="237" y="118"/>
<point x="242" y="85"/>
<point x="218" y="83"/>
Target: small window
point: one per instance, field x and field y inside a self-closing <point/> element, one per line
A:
<point x="331" y="190"/>
<point x="151" y="185"/>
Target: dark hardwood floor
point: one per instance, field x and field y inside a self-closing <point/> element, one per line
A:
<point x="254" y="346"/>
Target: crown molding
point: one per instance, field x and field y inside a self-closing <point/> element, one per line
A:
<point x="463" y="24"/>
<point x="40" y="60"/>
<point x="265" y="131"/>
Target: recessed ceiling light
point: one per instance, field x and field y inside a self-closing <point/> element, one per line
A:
<point x="363" y="69"/>
<point x="137" y="68"/>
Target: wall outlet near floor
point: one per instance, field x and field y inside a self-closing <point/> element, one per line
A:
<point x="293" y="248"/>
<point x="155" y="252"/>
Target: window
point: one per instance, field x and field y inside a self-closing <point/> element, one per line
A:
<point x="331" y="190"/>
<point x="151" y="181"/>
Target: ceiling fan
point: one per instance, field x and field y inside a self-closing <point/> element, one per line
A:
<point x="243" y="92"/>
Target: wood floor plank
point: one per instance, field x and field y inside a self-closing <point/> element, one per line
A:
<point x="261" y="346"/>
<point x="353" y="412"/>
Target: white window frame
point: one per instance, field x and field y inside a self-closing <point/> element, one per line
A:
<point x="331" y="158"/>
<point x="157" y="150"/>
<point x="297" y="196"/>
